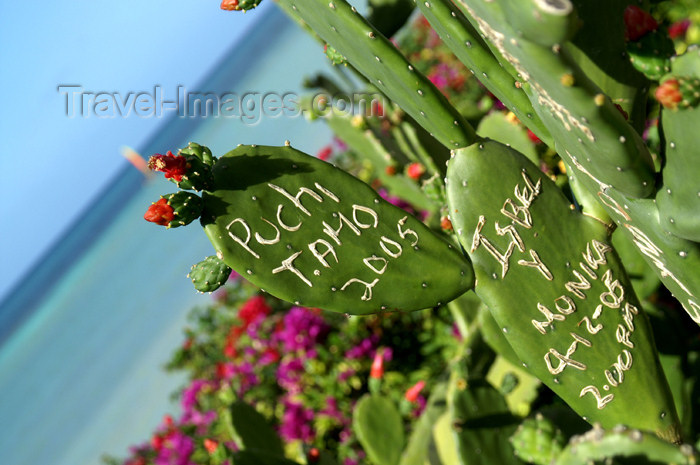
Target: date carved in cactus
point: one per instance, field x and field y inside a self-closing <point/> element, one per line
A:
<point x="557" y="289"/>
<point x="310" y="233"/>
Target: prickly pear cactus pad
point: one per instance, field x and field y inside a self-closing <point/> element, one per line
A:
<point x="557" y="290"/>
<point x="312" y="234"/>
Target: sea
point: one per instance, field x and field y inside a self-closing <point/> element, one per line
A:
<point x="84" y="338"/>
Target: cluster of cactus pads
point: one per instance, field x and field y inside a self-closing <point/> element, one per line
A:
<point x="577" y="75"/>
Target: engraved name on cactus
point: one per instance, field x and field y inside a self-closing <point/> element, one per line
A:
<point x="360" y="218"/>
<point x="642" y="242"/>
<point x="520" y="215"/>
<point x="613" y="298"/>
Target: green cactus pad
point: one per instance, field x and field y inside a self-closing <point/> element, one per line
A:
<point x="377" y="423"/>
<point x="557" y="290"/>
<point x="468" y="46"/>
<point x="186" y="206"/>
<point x="544" y="22"/>
<point x="367" y="50"/>
<point x="310" y="233"/>
<point x="538" y="440"/>
<point x="251" y="430"/>
<point x="679" y="198"/>
<point x="481" y="422"/>
<point x="642" y="448"/>
<point x="199" y="151"/>
<point x="575" y="111"/>
<point x="651" y="54"/>
<point x="209" y="274"/>
<point x="418" y="444"/>
<point x="198" y="175"/>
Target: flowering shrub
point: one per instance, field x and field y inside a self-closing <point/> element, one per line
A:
<point x="301" y="368"/>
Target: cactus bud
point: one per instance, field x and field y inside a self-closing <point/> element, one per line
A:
<point x="201" y="152"/>
<point x="160" y="213"/>
<point x="680" y="92"/>
<point x="668" y="94"/>
<point x="377" y="370"/>
<point x="413" y="392"/>
<point x="446" y="224"/>
<point x="239" y="5"/>
<point x="333" y="55"/>
<point x="209" y="274"/>
<point x="415" y="171"/>
<point x="638" y="22"/>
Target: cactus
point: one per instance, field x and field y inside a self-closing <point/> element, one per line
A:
<point x="343" y="28"/>
<point x="538" y="440"/>
<point x="642" y="447"/>
<point x="589" y="125"/>
<point x="559" y="301"/>
<point x="175" y="210"/>
<point x="679" y="198"/>
<point x="199" y="151"/>
<point x="272" y="219"/>
<point x="239" y="5"/>
<point x="481" y="422"/>
<point x="469" y="47"/>
<point x="577" y="325"/>
<point x="377" y="423"/>
<point x="188" y="171"/>
<point x="209" y="274"/>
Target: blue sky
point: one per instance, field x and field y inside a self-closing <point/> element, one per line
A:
<point x="53" y="165"/>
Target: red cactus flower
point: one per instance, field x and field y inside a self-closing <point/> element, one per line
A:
<point x="533" y="137"/>
<point x="377" y="370"/>
<point x="638" y="22"/>
<point x="160" y="213"/>
<point x="210" y="445"/>
<point x="415" y="171"/>
<point x="413" y="392"/>
<point x="229" y="5"/>
<point x="325" y="153"/>
<point x="678" y="29"/>
<point x="668" y="94"/>
<point x="174" y="166"/>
